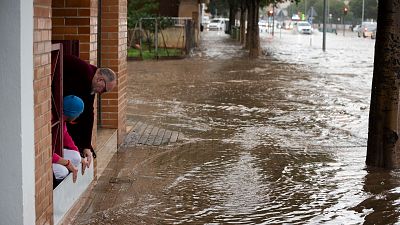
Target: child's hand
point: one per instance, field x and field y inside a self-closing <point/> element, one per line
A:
<point x="74" y="171"/>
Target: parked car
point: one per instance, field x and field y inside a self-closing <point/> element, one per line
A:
<point x="287" y="25"/>
<point x="356" y="28"/>
<point x="263" y="25"/>
<point x="373" y="35"/>
<point x="217" y="24"/>
<point x="367" y="29"/>
<point x="205" y="21"/>
<point x="304" y="27"/>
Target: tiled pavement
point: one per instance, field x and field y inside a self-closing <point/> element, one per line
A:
<point x="147" y="134"/>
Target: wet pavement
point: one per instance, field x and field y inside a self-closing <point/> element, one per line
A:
<point x="276" y="140"/>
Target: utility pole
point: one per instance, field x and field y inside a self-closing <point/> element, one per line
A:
<point x="324" y="27"/>
<point x="305" y="7"/>
<point x="273" y="20"/>
<point x="362" y="12"/>
<point x="345" y="11"/>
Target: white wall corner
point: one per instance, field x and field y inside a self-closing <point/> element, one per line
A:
<point x="27" y="111"/>
<point x="17" y="162"/>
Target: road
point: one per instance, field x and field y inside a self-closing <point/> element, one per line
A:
<point x="280" y="139"/>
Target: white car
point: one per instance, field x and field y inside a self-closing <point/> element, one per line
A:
<point x="205" y="21"/>
<point x="304" y="27"/>
<point x="263" y="26"/>
<point x="216" y="24"/>
<point x="356" y="28"/>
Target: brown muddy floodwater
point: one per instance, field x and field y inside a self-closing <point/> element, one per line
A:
<point x="278" y="140"/>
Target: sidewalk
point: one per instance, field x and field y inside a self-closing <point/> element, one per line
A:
<point x="129" y="177"/>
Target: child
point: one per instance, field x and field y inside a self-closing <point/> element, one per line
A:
<point x="71" y="160"/>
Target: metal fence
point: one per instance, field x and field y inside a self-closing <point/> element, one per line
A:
<point x="162" y="36"/>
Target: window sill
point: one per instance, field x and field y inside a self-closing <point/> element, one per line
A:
<point x="67" y="192"/>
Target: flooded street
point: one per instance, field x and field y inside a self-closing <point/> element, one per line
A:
<point x="277" y="140"/>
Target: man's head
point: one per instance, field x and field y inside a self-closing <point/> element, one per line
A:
<point x="72" y="107"/>
<point x="104" y="80"/>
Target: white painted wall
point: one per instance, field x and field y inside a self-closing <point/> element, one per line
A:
<point x="17" y="162"/>
<point x="67" y="193"/>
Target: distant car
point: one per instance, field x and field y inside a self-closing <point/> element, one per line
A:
<point x="287" y="25"/>
<point x="356" y="28"/>
<point x="367" y="29"/>
<point x="205" y="21"/>
<point x="304" y="27"/>
<point x="373" y="35"/>
<point x="216" y="24"/>
<point x="263" y="26"/>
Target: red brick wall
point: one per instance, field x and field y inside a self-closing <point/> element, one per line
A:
<point x="73" y="20"/>
<point x="113" y="55"/>
<point x="77" y="20"/>
<point x="42" y="104"/>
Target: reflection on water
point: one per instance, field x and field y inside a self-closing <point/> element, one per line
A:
<point x="278" y="140"/>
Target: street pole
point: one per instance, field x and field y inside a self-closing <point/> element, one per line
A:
<point x="273" y="20"/>
<point x="305" y="7"/>
<point x="324" y="27"/>
<point x="328" y="13"/>
<point x="344" y="26"/>
<point x="156" y="38"/>
<point x="140" y="38"/>
<point x="362" y="12"/>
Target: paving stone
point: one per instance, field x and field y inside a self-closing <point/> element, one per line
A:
<point x="145" y="134"/>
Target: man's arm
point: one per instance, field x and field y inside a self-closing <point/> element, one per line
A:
<point x="81" y="131"/>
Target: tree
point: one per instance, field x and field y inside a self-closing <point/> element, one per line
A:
<point x="335" y="9"/>
<point x="140" y="9"/>
<point x="243" y="18"/>
<point x="253" y="30"/>
<point x="233" y="8"/>
<point x="219" y="8"/>
<point x="252" y="40"/>
<point x="370" y="9"/>
<point x="384" y="121"/>
<point x="253" y="33"/>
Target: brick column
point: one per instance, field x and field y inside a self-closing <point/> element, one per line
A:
<point x="113" y="55"/>
<point x="77" y="20"/>
<point x="42" y="112"/>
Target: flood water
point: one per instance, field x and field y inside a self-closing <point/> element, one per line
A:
<point x="277" y="140"/>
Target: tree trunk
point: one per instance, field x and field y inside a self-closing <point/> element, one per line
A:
<point x="243" y="23"/>
<point x="384" y="121"/>
<point x="254" y="46"/>
<point x="249" y="23"/>
<point x="232" y="12"/>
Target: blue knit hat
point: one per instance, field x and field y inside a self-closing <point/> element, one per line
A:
<point x="73" y="106"/>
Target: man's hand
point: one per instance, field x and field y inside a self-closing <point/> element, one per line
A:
<point x="73" y="170"/>
<point x="87" y="160"/>
<point x="85" y="164"/>
<point x="88" y="155"/>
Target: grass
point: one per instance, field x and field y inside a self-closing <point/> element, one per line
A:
<point x="162" y="52"/>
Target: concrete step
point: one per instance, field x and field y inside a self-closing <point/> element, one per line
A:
<point x="69" y="197"/>
<point x="107" y="146"/>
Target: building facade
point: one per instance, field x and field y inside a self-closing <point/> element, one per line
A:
<point x="29" y="28"/>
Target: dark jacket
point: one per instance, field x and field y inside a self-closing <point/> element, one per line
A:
<point x="77" y="80"/>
